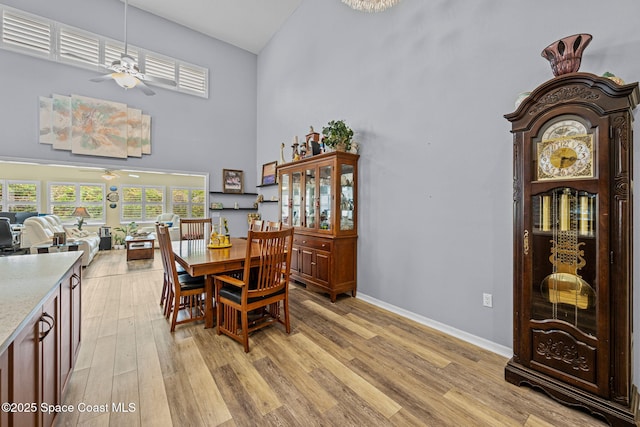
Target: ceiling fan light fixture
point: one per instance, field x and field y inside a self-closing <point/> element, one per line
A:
<point x="370" y="5"/>
<point x="108" y="176"/>
<point x="125" y="80"/>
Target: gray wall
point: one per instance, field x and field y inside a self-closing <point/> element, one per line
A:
<point x="425" y="86"/>
<point x="188" y="133"/>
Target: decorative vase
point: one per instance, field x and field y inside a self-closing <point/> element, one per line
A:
<point x="565" y="54"/>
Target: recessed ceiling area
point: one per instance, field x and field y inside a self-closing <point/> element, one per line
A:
<point x="247" y="24"/>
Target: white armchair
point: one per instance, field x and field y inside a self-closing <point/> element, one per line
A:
<point x="171" y="220"/>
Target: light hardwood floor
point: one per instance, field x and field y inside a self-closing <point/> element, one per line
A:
<point x="344" y="364"/>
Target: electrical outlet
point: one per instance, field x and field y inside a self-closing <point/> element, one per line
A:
<point x="487" y="300"/>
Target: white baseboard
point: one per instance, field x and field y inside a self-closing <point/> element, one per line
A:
<point x="457" y="333"/>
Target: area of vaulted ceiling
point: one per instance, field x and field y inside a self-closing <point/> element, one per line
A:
<point x="247" y="24"/>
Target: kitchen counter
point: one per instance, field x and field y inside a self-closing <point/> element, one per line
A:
<point x="25" y="282"/>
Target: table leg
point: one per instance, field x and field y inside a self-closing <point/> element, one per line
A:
<point x="208" y="304"/>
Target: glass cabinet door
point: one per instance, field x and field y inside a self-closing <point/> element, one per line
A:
<point x="347" y="204"/>
<point x="285" y="199"/>
<point x="564" y="254"/>
<point x="310" y="198"/>
<point x="296" y="198"/>
<point x="324" y="203"/>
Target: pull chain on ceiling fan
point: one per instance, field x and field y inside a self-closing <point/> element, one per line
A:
<point x="125" y="70"/>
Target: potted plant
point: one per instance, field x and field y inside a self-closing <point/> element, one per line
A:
<point x="118" y="241"/>
<point x="337" y="135"/>
<point x="127" y="230"/>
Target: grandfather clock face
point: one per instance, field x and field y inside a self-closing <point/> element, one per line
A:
<point x="565" y="151"/>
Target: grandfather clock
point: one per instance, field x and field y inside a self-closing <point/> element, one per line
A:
<point x="573" y="155"/>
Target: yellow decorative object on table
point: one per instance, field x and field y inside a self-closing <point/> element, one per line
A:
<point x="219" y="240"/>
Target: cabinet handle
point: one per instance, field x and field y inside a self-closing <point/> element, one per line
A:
<point x="525" y="242"/>
<point x="51" y="325"/>
<point x="77" y="280"/>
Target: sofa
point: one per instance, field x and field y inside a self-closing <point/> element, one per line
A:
<point x="38" y="230"/>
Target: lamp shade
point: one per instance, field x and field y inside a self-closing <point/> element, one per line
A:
<point x="81" y="212"/>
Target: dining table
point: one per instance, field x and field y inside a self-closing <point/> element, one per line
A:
<point x="200" y="260"/>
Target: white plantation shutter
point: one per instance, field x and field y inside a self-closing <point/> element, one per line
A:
<point x="79" y="46"/>
<point x="192" y="78"/>
<point x="26" y="32"/>
<point x="156" y="66"/>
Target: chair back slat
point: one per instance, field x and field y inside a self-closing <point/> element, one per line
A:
<point x="193" y="228"/>
<point x="272" y="226"/>
<point x="256" y="225"/>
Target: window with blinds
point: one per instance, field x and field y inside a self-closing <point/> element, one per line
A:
<point x="65" y="197"/>
<point x="188" y="202"/>
<point x="141" y="203"/>
<point x="20" y="196"/>
<point x="42" y="37"/>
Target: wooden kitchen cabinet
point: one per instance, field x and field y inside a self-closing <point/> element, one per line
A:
<point x="38" y="361"/>
<point x="34" y="357"/>
<point x="319" y="198"/>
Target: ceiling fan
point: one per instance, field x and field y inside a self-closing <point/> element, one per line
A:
<point x="107" y="174"/>
<point x="125" y="71"/>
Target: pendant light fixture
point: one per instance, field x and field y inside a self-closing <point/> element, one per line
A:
<point x="370" y="5"/>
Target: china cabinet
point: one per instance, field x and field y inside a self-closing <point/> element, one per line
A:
<point x="319" y="197"/>
<point x="573" y="293"/>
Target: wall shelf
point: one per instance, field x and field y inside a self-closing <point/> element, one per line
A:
<point x="233" y="194"/>
<point x="275" y="184"/>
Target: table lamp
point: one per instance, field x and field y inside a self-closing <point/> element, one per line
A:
<point x="80" y="213"/>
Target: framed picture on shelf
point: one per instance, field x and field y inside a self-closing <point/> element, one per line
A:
<point x="232" y="181"/>
<point x="269" y="173"/>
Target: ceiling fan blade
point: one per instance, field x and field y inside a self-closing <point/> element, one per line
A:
<point x="102" y="78"/>
<point x="158" y="80"/>
<point x="144" y="88"/>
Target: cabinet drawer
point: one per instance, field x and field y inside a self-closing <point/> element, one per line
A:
<point x="313" y="243"/>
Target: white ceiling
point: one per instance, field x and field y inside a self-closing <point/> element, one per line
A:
<point x="248" y="24"/>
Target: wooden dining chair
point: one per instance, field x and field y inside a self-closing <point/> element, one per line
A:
<point x="184" y="291"/>
<point x="164" y="296"/>
<point x="272" y="226"/>
<point x="256" y="225"/>
<point x="193" y="228"/>
<point x="266" y="287"/>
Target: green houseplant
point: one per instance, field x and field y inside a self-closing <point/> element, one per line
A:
<point x="337" y="135"/>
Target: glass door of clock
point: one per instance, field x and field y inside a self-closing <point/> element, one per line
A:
<point x="564" y="259"/>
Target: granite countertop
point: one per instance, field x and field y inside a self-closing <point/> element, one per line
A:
<point x="25" y="283"/>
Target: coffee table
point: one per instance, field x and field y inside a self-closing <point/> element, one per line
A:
<point x="140" y="247"/>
